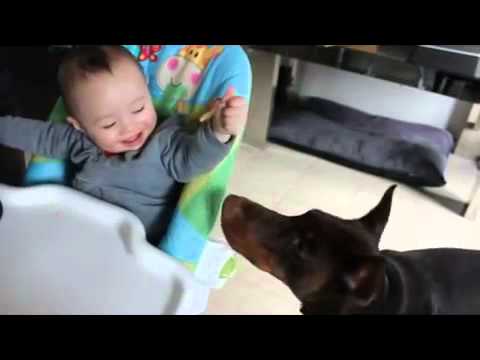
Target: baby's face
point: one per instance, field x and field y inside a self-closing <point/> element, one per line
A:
<point x="115" y="111"/>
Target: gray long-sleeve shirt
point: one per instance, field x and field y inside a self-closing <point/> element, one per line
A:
<point x="145" y="182"/>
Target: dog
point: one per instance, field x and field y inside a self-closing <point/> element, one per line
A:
<point x="334" y="266"/>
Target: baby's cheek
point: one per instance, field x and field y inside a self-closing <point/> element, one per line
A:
<point x="107" y="139"/>
<point x="150" y="118"/>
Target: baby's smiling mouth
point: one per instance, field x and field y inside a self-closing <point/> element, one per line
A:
<point x="133" y="139"/>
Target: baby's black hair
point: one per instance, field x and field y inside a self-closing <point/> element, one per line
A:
<point x="83" y="61"/>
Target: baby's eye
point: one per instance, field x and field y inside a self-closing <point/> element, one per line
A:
<point x="109" y="125"/>
<point x="139" y="110"/>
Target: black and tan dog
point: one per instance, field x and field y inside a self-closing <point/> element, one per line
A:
<point x="334" y="266"/>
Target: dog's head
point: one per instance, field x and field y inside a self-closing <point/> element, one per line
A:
<point x="332" y="265"/>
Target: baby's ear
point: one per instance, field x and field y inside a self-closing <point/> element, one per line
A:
<point x="74" y="122"/>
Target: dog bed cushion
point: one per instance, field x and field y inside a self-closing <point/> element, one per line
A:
<point x="412" y="153"/>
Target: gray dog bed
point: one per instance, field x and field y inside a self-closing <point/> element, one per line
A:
<point x="411" y="153"/>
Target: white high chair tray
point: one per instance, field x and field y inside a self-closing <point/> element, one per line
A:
<point x="64" y="252"/>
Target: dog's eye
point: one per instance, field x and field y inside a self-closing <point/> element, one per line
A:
<point x="296" y="241"/>
<point x="298" y="245"/>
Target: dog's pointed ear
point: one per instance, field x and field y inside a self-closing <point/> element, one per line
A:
<point x="377" y="218"/>
<point x="364" y="279"/>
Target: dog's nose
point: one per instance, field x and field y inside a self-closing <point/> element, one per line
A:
<point x="232" y="207"/>
<point x="232" y="201"/>
<point x="232" y="204"/>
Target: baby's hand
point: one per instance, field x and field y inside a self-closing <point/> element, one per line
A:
<point x="230" y="116"/>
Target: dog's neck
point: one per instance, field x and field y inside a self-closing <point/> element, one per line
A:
<point x="387" y="300"/>
<point x="393" y="300"/>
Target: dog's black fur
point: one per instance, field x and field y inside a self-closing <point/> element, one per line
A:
<point x="334" y="266"/>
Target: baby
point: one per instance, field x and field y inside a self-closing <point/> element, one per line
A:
<point x="120" y="153"/>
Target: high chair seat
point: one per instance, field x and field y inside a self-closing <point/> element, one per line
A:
<point x="184" y="79"/>
<point x="90" y="258"/>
